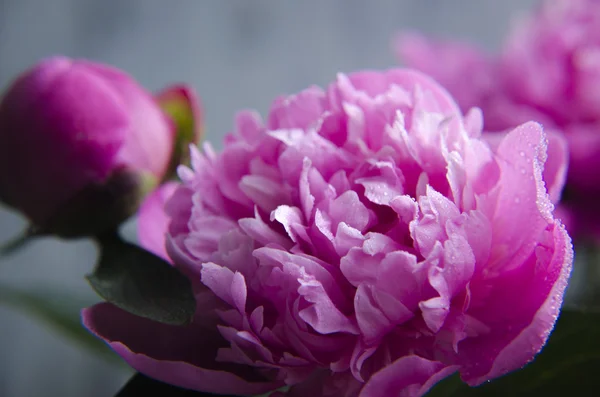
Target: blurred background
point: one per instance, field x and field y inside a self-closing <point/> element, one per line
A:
<point x="236" y="54"/>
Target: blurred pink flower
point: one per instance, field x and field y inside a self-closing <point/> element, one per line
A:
<point x="363" y="241"/>
<point x="551" y="61"/>
<point x="462" y="68"/>
<point x="548" y="71"/>
<point x="473" y="77"/>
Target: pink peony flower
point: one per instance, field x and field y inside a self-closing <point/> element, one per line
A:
<point x="474" y="77"/>
<point x="362" y="241"/>
<point x="551" y="61"/>
<point x="548" y="71"/>
<point x="551" y="58"/>
<point x="462" y="68"/>
<point x="75" y="134"/>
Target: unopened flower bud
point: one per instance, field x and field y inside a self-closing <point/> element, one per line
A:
<point x="81" y="143"/>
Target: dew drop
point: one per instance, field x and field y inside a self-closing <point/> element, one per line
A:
<point x="523" y="171"/>
<point x="517" y="200"/>
<point x="522" y="153"/>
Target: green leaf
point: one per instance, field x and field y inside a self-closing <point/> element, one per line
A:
<point x="567" y="366"/>
<point x="142" y="386"/>
<point x="61" y="311"/>
<point x="142" y="283"/>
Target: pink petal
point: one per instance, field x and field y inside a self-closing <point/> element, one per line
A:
<point x="521" y="321"/>
<point x="348" y="208"/>
<point x="163" y="352"/>
<point x="153" y="222"/>
<point x="377" y="313"/>
<point x="265" y="192"/>
<point x="298" y="111"/>
<point x="461" y="68"/>
<point x="555" y="169"/>
<point x="227" y="285"/>
<point x="262" y="233"/>
<point x="523" y="209"/>
<point x="557" y="163"/>
<point x="322" y="314"/>
<point x="409" y="376"/>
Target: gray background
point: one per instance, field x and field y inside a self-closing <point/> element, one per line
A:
<point x="237" y="54"/>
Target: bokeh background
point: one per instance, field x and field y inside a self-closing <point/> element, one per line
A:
<point x="236" y="54"/>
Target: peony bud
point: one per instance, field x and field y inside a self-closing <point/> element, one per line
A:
<point x="81" y="143"/>
<point x="182" y="104"/>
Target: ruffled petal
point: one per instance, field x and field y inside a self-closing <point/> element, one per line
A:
<point x="153" y="221"/>
<point x="520" y="308"/>
<point x="410" y="376"/>
<point x="181" y="356"/>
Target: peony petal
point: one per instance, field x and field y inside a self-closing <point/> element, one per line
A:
<point x="346" y="237"/>
<point x="436" y="211"/>
<point x="524" y="209"/>
<point x="385" y="185"/>
<point x="262" y="233"/>
<point x="292" y="221"/>
<point x="377" y="313"/>
<point x="235" y="252"/>
<point x="461" y="68"/>
<point x="410" y="376"/>
<point x="323" y="315"/>
<point x="153" y="221"/>
<point x="297" y="111"/>
<point x="205" y="235"/>
<point x="265" y="192"/>
<point x="227" y="285"/>
<point x="556" y="165"/>
<point x="521" y="322"/>
<point x="406" y="207"/>
<point x="181" y="356"/>
<point x="555" y="169"/>
<point x="348" y="208"/>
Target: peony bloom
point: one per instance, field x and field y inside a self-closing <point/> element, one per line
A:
<point x="548" y="71"/>
<point x="74" y="135"/>
<point x="551" y="61"/>
<point x="462" y="68"/>
<point x="362" y="241"/>
<point x="473" y="77"/>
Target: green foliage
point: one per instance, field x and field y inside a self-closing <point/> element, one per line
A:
<point x="142" y="283"/>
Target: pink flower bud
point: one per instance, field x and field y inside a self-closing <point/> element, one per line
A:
<point x="80" y="140"/>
